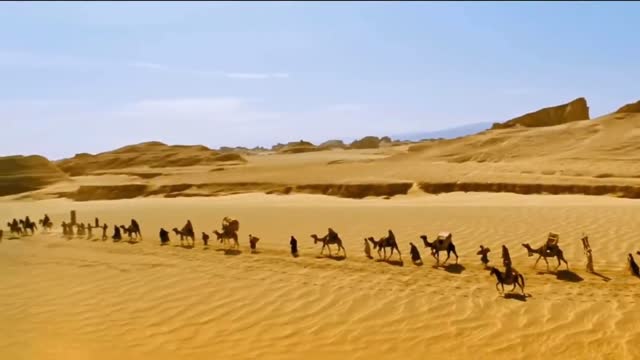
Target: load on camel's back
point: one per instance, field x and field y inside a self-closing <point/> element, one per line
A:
<point x="230" y="225"/>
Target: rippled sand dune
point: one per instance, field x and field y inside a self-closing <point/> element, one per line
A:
<point x="83" y="299"/>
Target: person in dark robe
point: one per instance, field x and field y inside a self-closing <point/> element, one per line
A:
<point x="294" y="246"/>
<point x="635" y="270"/>
<point x="164" y="236"/>
<point x="117" y="236"/>
<point x="104" y="231"/>
<point x="415" y="254"/>
<point x="484" y="257"/>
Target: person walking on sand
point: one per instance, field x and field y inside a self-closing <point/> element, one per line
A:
<point x="253" y="242"/>
<point x="89" y="231"/>
<point x="294" y="246"/>
<point x="415" y="254"/>
<point x="484" y="255"/>
<point x="367" y="249"/>
<point x="104" y="231"/>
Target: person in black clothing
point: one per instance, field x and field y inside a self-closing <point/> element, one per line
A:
<point x="117" y="236"/>
<point x="104" y="231"/>
<point x="415" y="254"/>
<point x="164" y="236"/>
<point x="294" y="246"/>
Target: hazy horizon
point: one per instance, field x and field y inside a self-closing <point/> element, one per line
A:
<point x="92" y="77"/>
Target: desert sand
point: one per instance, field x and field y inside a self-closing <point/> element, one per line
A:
<point x="92" y="299"/>
<point x="81" y="299"/>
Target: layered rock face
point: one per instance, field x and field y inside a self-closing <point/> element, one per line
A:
<point x="575" y="110"/>
<point x="629" y="108"/>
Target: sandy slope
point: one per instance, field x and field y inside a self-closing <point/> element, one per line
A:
<point x="80" y="299"/>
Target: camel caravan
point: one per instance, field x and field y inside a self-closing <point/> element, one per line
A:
<point x="227" y="236"/>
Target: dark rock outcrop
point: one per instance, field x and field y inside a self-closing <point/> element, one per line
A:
<point x="575" y="110"/>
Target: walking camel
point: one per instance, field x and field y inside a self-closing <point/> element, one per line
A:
<point x="230" y="229"/>
<point x="388" y="241"/>
<point x="331" y="238"/>
<point x="549" y="249"/>
<point x="443" y="242"/>
<point x="186" y="232"/>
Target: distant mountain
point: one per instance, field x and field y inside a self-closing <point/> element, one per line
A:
<point x="450" y="133"/>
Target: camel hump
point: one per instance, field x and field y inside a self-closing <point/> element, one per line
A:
<point x="229" y="224"/>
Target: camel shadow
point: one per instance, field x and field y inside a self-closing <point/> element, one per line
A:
<point x="454" y="268"/>
<point x="332" y="257"/>
<point x="184" y="246"/>
<point x="568" y="275"/>
<point x="13" y="238"/>
<point x="132" y="242"/>
<point x="232" y="252"/>
<point x="603" y="277"/>
<point x="515" y="296"/>
<point x="399" y="263"/>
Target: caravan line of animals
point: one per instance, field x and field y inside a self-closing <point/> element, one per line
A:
<point x="228" y="236"/>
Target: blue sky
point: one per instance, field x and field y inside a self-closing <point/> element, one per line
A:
<point x="90" y="77"/>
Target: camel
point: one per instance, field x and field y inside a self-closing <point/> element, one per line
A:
<point x="125" y="229"/>
<point x="546" y="251"/>
<point x="227" y="234"/>
<point x="134" y="229"/>
<point x="330" y="239"/>
<point x="28" y="225"/>
<point x="388" y="241"/>
<point x="515" y="279"/>
<point x="186" y="232"/>
<point x="444" y="242"/>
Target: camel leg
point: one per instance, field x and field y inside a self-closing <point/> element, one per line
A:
<point x="536" y="263"/>
<point x="399" y="254"/>
<point x="391" y="254"/>
<point x="448" y="255"/>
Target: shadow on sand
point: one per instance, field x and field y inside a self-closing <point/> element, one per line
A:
<point x="392" y="262"/>
<point x="454" y="268"/>
<point x="516" y="296"/>
<point x="603" y="277"/>
<point x="568" y="275"/>
<point x="184" y="246"/>
<point x="332" y="257"/>
<point x="232" y="252"/>
<point x="418" y="263"/>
